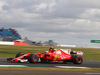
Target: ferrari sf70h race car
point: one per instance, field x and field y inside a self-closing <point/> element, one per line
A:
<point x="56" y="55"/>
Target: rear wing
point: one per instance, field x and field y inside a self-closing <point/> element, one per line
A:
<point x="80" y="53"/>
<point x="68" y="51"/>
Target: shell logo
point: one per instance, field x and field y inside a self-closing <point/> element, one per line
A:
<point x="55" y="57"/>
<point x="41" y="56"/>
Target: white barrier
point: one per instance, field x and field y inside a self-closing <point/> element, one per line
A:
<point x="6" y="43"/>
<point x="66" y="45"/>
<point x="12" y="43"/>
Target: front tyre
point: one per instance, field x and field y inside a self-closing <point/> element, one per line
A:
<point x="33" y="58"/>
<point x="77" y="59"/>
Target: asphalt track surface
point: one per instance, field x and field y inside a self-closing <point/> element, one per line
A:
<point x="41" y="72"/>
<point x="89" y="64"/>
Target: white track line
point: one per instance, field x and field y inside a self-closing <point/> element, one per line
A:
<point x="13" y="66"/>
<point x="70" y="67"/>
<point x="92" y="73"/>
<point x="28" y="66"/>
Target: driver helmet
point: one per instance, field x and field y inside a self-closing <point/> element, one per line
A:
<point x="51" y="49"/>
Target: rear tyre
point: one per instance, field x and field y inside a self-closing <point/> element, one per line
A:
<point x="33" y="58"/>
<point x="77" y="59"/>
<point x="19" y="54"/>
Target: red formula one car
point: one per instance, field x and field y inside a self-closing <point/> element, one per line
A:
<point x="53" y="55"/>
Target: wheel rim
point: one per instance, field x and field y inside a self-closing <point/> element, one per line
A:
<point x="35" y="58"/>
<point x="79" y="60"/>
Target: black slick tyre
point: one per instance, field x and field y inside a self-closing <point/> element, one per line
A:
<point x="77" y="59"/>
<point x="33" y="58"/>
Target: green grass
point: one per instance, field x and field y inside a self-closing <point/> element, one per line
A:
<point x="11" y="51"/>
